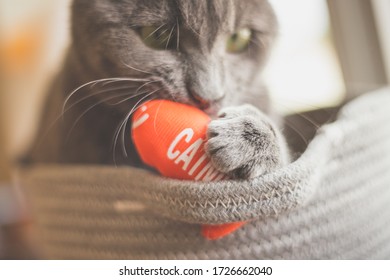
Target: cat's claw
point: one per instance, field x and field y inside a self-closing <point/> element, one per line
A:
<point x="244" y="143"/>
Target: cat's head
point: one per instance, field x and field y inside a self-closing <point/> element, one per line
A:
<point x="207" y="53"/>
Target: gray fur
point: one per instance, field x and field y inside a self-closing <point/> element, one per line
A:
<point x="198" y="71"/>
<point x="245" y="143"/>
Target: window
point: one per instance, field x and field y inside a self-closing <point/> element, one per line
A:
<point x="303" y="72"/>
<point x="32" y="41"/>
<point x="361" y="32"/>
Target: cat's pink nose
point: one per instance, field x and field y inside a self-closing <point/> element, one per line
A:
<point x="203" y="102"/>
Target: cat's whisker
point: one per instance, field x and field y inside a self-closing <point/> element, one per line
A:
<point x="136" y="69"/>
<point x="117" y="96"/>
<point x="195" y="32"/>
<point x="262" y="44"/>
<point x="127" y="98"/>
<point x="249" y="49"/>
<point x="157" y="29"/>
<point x="96" y="94"/>
<point x="98" y="81"/>
<point x="61" y="115"/>
<point x="86" y="111"/>
<point x="256" y="44"/>
<point x="178" y="34"/>
<point x="300" y="114"/>
<point x="93" y="84"/>
<point x="117" y="80"/>
<point x="169" y="37"/>
<point x="297" y="131"/>
<point x="107" y="81"/>
<point x="326" y="116"/>
<point x="135" y="107"/>
<point x="121" y="129"/>
<point x="145" y="84"/>
<point x="312" y="122"/>
<point x="87" y="97"/>
<point x="316" y="125"/>
<point x="156" y="115"/>
<point x="166" y="30"/>
<point x="291" y="107"/>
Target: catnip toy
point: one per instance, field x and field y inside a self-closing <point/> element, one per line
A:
<point x="170" y="137"/>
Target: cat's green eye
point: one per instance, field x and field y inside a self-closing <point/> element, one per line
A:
<point x="239" y="41"/>
<point x="159" y="37"/>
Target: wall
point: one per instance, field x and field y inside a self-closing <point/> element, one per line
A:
<point x="32" y="42"/>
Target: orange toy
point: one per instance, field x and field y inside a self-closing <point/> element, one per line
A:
<point x="170" y="137"/>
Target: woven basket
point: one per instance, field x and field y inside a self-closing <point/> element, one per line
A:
<point x="332" y="202"/>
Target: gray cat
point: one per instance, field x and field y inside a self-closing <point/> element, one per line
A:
<point x="206" y="53"/>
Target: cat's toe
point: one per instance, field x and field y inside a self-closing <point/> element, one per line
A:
<point x="243" y="146"/>
<point x="224" y="146"/>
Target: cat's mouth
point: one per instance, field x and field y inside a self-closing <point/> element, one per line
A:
<point x="199" y="101"/>
<point x="191" y="98"/>
<point x="209" y="106"/>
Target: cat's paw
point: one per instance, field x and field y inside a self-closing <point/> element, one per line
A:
<point x="244" y="143"/>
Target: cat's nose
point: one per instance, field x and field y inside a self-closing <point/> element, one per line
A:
<point x="205" y="92"/>
<point x="203" y="102"/>
<point x="205" y="81"/>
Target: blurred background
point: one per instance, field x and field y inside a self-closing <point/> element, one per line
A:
<point x="33" y="38"/>
<point x="327" y="52"/>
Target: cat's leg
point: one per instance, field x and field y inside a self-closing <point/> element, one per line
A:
<point x="244" y="143"/>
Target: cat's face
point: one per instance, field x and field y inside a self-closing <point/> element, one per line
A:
<point x="204" y="53"/>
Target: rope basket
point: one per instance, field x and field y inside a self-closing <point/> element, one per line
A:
<point x="333" y="202"/>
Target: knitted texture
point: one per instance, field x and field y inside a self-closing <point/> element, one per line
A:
<point x="170" y="137"/>
<point x="333" y="202"/>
